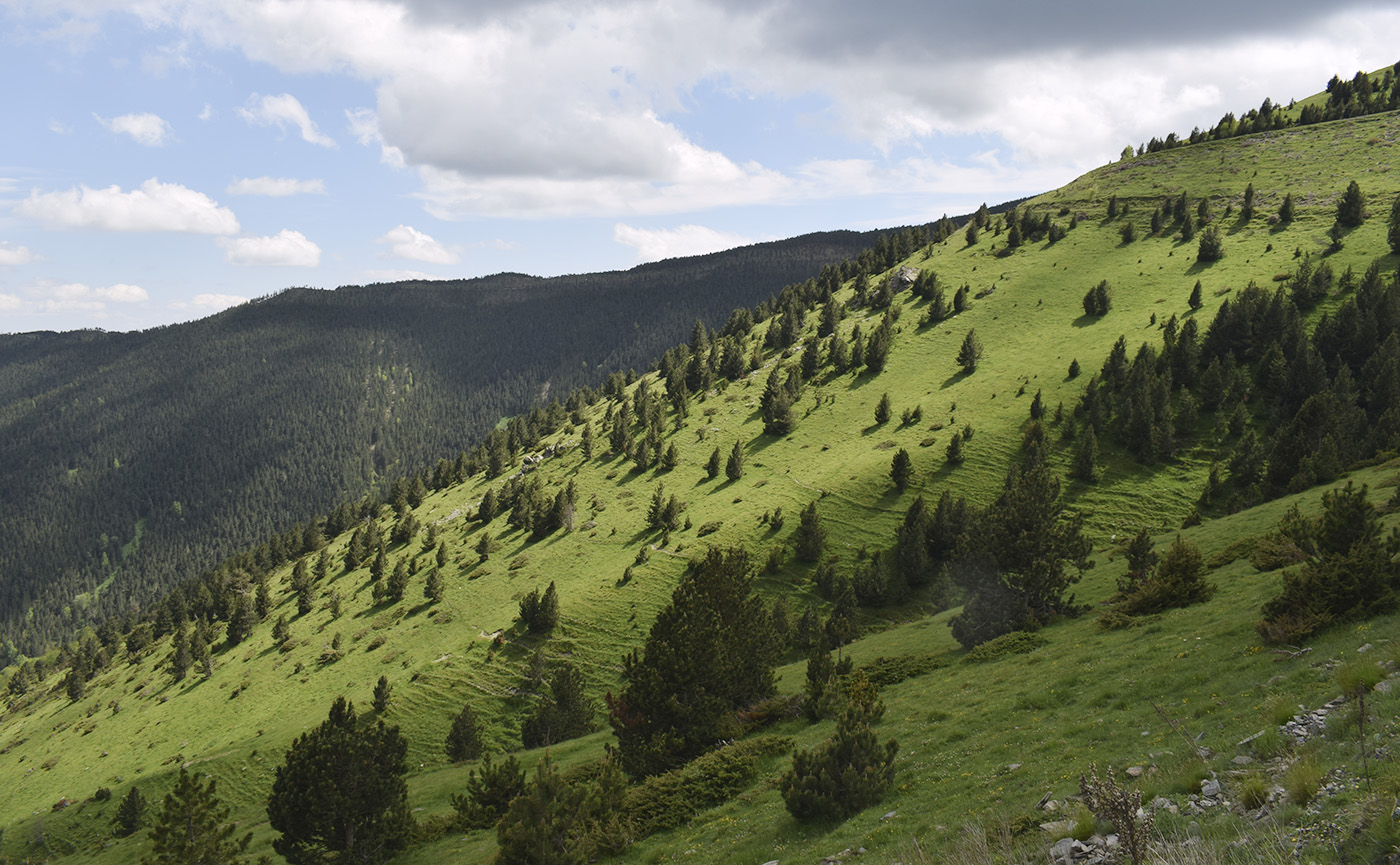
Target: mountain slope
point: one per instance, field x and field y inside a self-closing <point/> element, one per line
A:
<point x="131" y="459"/>
<point x="981" y="741"/>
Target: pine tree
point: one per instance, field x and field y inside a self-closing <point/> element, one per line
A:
<point x="131" y="813"/>
<point x="1210" y="247"/>
<point x="845" y="774"/>
<point x="954" y="453"/>
<point x="712" y="465"/>
<point x="734" y="469"/>
<point x="709" y="652"/>
<point x="970" y="353"/>
<point x="382" y="692"/>
<point x="398" y="582"/>
<point x="490" y="790"/>
<point x="810" y="538"/>
<point x="1286" y="211"/>
<point x="1016" y="564"/>
<point x="1247" y="209"/>
<point x="1351" y="209"/>
<point x="464" y="738"/>
<point x="901" y="469"/>
<point x="566" y="713"/>
<point x="341" y="792"/>
<point x="434" y="588"/>
<point x="180" y="655"/>
<point x="882" y="409"/>
<point x="554" y="822"/>
<point x="1086" y="457"/>
<point x="1392" y="233"/>
<point x="191" y="828"/>
<point x="1194" y="301"/>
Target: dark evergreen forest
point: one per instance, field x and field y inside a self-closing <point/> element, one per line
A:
<point x="130" y="462"/>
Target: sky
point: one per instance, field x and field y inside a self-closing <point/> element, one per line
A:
<point x="165" y="159"/>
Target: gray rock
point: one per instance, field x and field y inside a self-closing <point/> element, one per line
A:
<point x="1242" y="760"/>
<point x="1063" y="851"/>
<point x="1135" y="771"/>
<point x="1193" y="830"/>
<point x="1364" y="649"/>
<point x="1210" y="788"/>
<point x="890" y="815"/>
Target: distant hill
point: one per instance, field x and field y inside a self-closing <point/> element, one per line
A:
<point x="130" y="460"/>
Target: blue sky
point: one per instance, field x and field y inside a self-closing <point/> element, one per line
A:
<point x="165" y="159"/>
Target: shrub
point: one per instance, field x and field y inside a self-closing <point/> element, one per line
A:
<point x="1254" y="791"/>
<point x="670" y="799"/>
<point x="1014" y="643"/>
<point x="845" y="774"/>
<point x="1177" y="582"/>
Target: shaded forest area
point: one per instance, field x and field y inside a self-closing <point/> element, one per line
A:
<point x="132" y="461"/>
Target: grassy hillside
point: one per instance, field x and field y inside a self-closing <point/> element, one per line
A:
<point x="210" y="436"/>
<point x="981" y="742"/>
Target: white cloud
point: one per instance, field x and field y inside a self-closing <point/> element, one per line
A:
<point x="275" y="186"/>
<point x="12" y="255"/>
<point x="155" y="206"/>
<point x="58" y="127"/>
<point x="47" y="297"/>
<point x="283" y="111"/>
<point x="412" y="244"/>
<point x="286" y="248"/>
<point x="207" y="113"/>
<point x="216" y="302"/>
<point x="364" y="125"/>
<point x="147" y="129"/>
<point x="683" y="240"/>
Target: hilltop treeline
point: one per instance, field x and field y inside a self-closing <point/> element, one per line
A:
<point x="1358" y="96"/>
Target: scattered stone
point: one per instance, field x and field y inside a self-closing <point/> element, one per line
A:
<point x="1210" y="788"/>
<point x="771" y="862"/>
<point x="1364" y="649"/>
<point x="1063" y="851"/>
<point x="1057" y="827"/>
<point x="1242" y="760"/>
<point x="1247" y="739"/>
<point x="1384" y="686"/>
<point x="1013" y="767"/>
<point x="890" y="815"/>
<point x="1277" y="680"/>
<point x="1135" y="771"/>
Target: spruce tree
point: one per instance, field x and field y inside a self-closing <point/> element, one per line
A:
<point x="1210" y="247"/>
<point x="341" y="792"/>
<point x="398" y="582"/>
<point x="1286" y="211"/>
<point x="712" y="465"/>
<point x="192" y="829"/>
<point x="1194" y="301"/>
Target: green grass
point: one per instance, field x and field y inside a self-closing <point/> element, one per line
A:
<point x="979" y="742"/>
